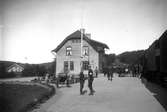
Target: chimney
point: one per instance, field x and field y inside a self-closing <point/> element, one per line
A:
<point x="88" y="35"/>
<point x="82" y="30"/>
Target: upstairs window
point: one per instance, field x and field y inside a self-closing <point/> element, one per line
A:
<point x="85" y="50"/>
<point x="68" y="51"/>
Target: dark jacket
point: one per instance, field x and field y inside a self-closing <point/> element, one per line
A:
<point x="81" y="77"/>
<point x="90" y="75"/>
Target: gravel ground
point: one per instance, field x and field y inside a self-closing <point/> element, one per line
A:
<point x="125" y="94"/>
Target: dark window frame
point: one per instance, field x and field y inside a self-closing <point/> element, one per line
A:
<point x="69" y="51"/>
<point x="65" y="65"/>
<point x="84" y="50"/>
<point x="85" y="65"/>
<point x="71" y="65"/>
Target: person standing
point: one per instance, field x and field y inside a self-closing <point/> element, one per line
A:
<point x="47" y="77"/>
<point x="111" y="73"/>
<point x="82" y="81"/>
<point x="108" y="74"/>
<point x="96" y="72"/>
<point x="90" y="80"/>
<point x="67" y="77"/>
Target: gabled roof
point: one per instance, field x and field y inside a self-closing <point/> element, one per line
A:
<point x="163" y="36"/>
<point x="15" y="64"/>
<point x="77" y="35"/>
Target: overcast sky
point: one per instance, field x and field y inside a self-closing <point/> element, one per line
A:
<point x="30" y="29"/>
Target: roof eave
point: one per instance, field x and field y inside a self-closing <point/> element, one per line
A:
<point x="85" y="38"/>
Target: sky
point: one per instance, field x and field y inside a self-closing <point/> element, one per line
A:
<point x="30" y="29"/>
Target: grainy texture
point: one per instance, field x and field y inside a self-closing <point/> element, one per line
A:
<point x="125" y="94"/>
<point x="14" y="97"/>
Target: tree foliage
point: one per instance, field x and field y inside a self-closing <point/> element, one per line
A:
<point x="132" y="57"/>
<point x="39" y="69"/>
<point x="4" y="73"/>
<point x="110" y="59"/>
<point x="34" y="70"/>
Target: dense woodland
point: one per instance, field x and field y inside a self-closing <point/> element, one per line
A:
<point x="133" y="57"/>
<point x="130" y="57"/>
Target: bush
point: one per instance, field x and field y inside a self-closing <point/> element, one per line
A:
<point x="8" y="75"/>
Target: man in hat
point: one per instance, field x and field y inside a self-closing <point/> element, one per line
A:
<point x="82" y="81"/>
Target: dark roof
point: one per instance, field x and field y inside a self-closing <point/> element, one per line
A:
<point x="15" y="64"/>
<point x="77" y="35"/>
<point x="163" y="36"/>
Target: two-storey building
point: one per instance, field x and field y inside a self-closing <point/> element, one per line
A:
<point x="68" y="54"/>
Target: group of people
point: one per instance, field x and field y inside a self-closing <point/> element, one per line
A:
<point x="90" y="81"/>
<point x="108" y="72"/>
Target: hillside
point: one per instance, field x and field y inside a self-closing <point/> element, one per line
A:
<point x="130" y="57"/>
<point x="6" y="63"/>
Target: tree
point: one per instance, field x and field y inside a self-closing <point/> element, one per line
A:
<point x="42" y="71"/>
<point x="2" y="71"/>
<point x="110" y="59"/>
<point x="51" y="69"/>
<point x="27" y="70"/>
<point x="131" y="57"/>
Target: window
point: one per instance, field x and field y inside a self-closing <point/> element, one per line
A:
<point x="85" y="65"/>
<point x="85" y="50"/>
<point x="71" y="65"/>
<point x="65" y="66"/>
<point x="68" y="65"/>
<point x="68" y="51"/>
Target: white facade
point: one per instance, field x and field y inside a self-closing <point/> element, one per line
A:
<point x="75" y="57"/>
<point x="15" y="68"/>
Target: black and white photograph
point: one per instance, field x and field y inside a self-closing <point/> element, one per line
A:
<point x="83" y="55"/>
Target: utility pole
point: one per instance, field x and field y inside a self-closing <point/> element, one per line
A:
<point x="81" y="30"/>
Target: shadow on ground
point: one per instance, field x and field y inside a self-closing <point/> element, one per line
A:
<point x="158" y="92"/>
